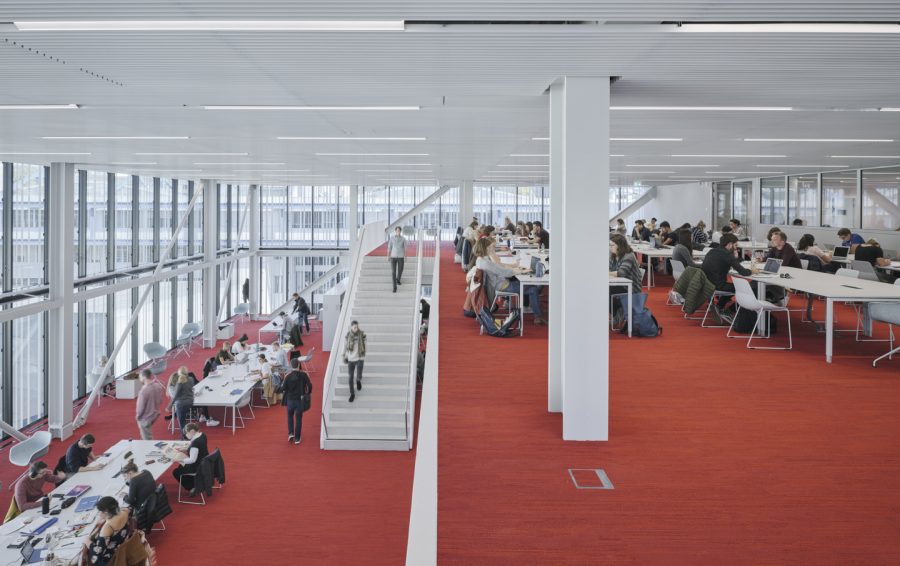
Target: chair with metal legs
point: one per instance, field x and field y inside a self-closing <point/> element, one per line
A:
<point x="746" y="299"/>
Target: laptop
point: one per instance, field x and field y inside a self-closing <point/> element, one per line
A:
<point x="772" y="265"/>
<point x="30" y="555"/>
<point x="841" y="251"/>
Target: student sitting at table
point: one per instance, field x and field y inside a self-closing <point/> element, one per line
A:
<point x="224" y="354"/>
<point x="29" y="489"/>
<point x="541" y="236"/>
<point x="190" y="456"/>
<point x="807" y="245"/>
<point x="623" y="264"/>
<point x="141" y="485"/>
<point x="500" y="277"/>
<point x="771" y="231"/>
<point x="508" y="225"/>
<point x="737" y="229"/>
<point x="640" y="231"/>
<point x="80" y="455"/>
<point x="109" y="533"/>
<point x="471" y="231"/>
<point x="620" y="227"/>
<point x="871" y="252"/>
<point x="850" y="239"/>
<point x="278" y="355"/>
<point x="240" y="347"/>
<point x="667" y="236"/>
<point x="699" y="235"/>
<point x="719" y="261"/>
<point x="683" y="250"/>
<point x="784" y="251"/>
<point x="267" y="379"/>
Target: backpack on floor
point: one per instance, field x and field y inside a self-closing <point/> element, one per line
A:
<point x="496" y="327"/>
<point x="643" y="323"/>
<point x="745" y="320"/>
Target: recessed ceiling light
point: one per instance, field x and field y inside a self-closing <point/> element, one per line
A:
<point x="212" y="25"/>
<point x="782" y="165"/>
<point x="698" y="176"/>
<point x="721" y="155"/>
<point x="540" y="139"/>
<point x="374" y="154"/>
<point x="166" y="170"/>
<point x="115" y="138"/>
<point x="348" y="138"/>
<point x="818" y="27"/>
<point x="708" y="108"/>
<point x="835" y="140"/>
<point x="42" y="153"/>
<point x="394" y="171"/>
<point x="889" y="109"/>
<point x="671" y="165"/>
<point x="238" y="163"/>
<point x="189" y="153"/>
<point x="865" y="156"/>
<point x="617" y="155"/>
<point x="321" y="108"/>
<point x="39" y="107"/>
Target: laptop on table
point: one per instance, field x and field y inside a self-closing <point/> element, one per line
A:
<point x="772" y="266"/>
<point x="841" y="252"/>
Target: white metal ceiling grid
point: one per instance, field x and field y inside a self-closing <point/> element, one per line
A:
<point x="481" y="91"/>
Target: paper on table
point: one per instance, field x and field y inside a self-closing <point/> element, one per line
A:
<point x="12" y="526"/>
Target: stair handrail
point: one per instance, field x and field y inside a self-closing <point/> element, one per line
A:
<point x="370" y="237"/>
<point x="414" y="341"/>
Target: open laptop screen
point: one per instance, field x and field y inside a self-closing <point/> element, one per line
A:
<point x="841" y="251"/>
<point x="772" y="265"/>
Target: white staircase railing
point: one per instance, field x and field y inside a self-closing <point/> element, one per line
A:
<point x="414" y="343"/>
<point x="371" y="236"/>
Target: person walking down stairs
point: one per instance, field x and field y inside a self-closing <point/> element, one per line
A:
<point x="396" y="255"/>
<point x="354" y="356"/>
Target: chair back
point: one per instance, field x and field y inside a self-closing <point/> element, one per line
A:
<point x="851" y="273"/>
<point x="885" y="312"/>
<point x="154" y="350"/>
<point x="866" y="271"/>
<point x="194" y="328"/>
<point x="162" y="509"/>
<point x="242" y="309"/>
<point x="804" y="263"/>
<point x="743" y="294"/>
<point x="677" y="269"/>
<point x="30" y="449"/>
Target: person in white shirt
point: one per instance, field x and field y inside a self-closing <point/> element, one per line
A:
<point x="265" y="373"/>
<point x="737" y="229"/>
<point x="277" y="356"/>
<point x="240" y="347"/>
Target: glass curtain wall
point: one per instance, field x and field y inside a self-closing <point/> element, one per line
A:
<point x="881" y="199"/>
<point x="28" y="225"/>
<point x="803" y="200"/>
<point x="839" y="199"/>
<point x="772" y="200"/>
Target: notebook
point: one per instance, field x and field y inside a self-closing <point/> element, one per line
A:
<point x="78" y="490"/>
<point x="87" y="503"/>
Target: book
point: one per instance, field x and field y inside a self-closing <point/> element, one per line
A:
<point x="78" y="490"/>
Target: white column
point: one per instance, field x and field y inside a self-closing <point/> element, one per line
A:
<point x="253" y="200"/>
<point x="466" y="203"/>
<point x="210" y="243"/>
<point x="557" y="273"/>
<point x="585" y="332"/>
<point x="61" y="274"/>
<point x="353" y="218"/>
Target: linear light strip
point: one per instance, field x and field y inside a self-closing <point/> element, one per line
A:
<point x="115" y="138"/>
<point x="373" y="154"/>
<point x="152" y="153"/>
<point x="387" y="164"/>
<point x="865" y="156"/>
<point x="212" y="25"/>
<point x="835" y="140"/>
<point x="721" y="155"/>
<point x="707" y="108"/>
<point x="671" y="165"/>
<point x="43" y="153"/>
<point x="782" y="165"/>
<point x="39" y="106"/>
<point x="240" y="163"/>
<point x="798" y="27"/>
<point x="349" y="138"/>
<point x="626" y="139"/>
<point x="318" y="108"/>
<point x="394" y="171"/>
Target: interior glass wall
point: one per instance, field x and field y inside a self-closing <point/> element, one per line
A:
<point x="124" y="221"/>
<point x="803" y="200"/>
<point x="881" y="199"/>
<point x="29" y="342"/>
<point x="839" y="199"/>
<point x="28" y="226"/>
<point x="772" y="200"/>
<point x="147" y="222"/>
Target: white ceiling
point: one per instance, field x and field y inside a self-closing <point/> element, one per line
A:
<point x="481" y="87"/>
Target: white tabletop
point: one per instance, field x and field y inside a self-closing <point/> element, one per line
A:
<point x="66" y="537"/>
<point x="226" y="386"/>
<point x="275" y="324"/>
<point x="831" y="286"/>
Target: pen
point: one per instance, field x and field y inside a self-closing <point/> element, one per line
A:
<point x="851" y="287"/>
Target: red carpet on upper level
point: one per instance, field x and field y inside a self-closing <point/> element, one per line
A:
<point x="718" y="454"/>
<point x="281" y="503"/>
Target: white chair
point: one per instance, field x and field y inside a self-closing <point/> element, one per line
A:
<point x="844" y="272"/>
<point x="306" y="362"/>
<point x="746" y="299"/>
<point x="804" y="263"/>
<point x="673" y="298"/>
<point x="157" y="354"/>
<point x="865" y="269"/>
<point x="712" y="301"/>
<point x="242" y="312"/>
<point x="889" y="313"/>
<point x="27" y="451"/>
<point x="183" y="343"/>
<point x="194" y="328"/>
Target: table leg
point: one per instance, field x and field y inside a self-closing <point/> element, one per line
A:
<point x="233" y="418"/>
<point x="630" y="312"/>
<point x="829" y="328"/>
<point x="522" y="308"/>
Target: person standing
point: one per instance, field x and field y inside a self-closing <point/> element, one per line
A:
<point x="297" y="389"/>
<point x="354" y="356"/>
<point x="302" y="310"/>
<point x="396" y="255"/>
<point x="148" y="401"/>
<point x="246" y="290"/>
<point x="182" y="401"/>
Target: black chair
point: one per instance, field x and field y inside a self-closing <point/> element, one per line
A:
<point x="60" y="465"/>
<point x="210" y="471"/>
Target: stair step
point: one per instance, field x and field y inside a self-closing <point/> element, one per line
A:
<point x="357" y="414"/>
<point x="371" y="429"/>
<point x="399" y="380"/>
<point x="378" y="389"/>
<point x="381" y="367"/>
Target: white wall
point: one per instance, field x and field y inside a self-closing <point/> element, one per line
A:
<point x="678" y="204"/>
<point x="890" y="241"/>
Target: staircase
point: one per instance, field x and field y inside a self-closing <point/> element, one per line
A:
<point x="377" y="418"/>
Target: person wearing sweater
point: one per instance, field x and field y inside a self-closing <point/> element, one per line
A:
<point x="355" y="356"/>
<point x="683" y="250"/>
<point x="396" y="255"/>
<point x="297" y="389"/>
<point x="141" y="485"/>
<point x="623" y="262"/>
<point x="501" y="278"/>
<point x="784" y="251"/>
<point x="30" y="488"/>
<point x="719" y="261"/>
<point x="189" y="457"/>
<point x="182" y="400"/>
<point x="149" y="400"/>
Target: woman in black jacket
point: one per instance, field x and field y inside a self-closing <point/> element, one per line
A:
<point x="297" y="389"/>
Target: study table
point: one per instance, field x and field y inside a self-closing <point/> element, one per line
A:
<point x="229" y="386"/>
<point x="73" y="527"/>
<point x="830" y="287"/>
<point x="275" y="325"/>
<point x="650" y="252"/>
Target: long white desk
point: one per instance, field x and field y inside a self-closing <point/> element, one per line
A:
<point x="660" y="253"/>
<point x="832" y="288"/>
<point x="72" y="527"/>
<point x="274" y="326"/>
<point x="228" y="387"/>
<point x="627" y="283"/>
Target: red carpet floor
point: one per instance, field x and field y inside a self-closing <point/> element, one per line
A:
<point x="718" y="454"/>
<point x="281" y="503"/>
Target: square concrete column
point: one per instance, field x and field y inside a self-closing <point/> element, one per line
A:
<point x="253" y="202"/>
<point x="557" y="276"/>
<point x="210" y="245"/>
<point x="61" y="274"/>
<point x="582" y="107"/>
<point x="466" y="203"/>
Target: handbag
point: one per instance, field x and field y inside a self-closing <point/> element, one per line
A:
<point x="305" y="402"/>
